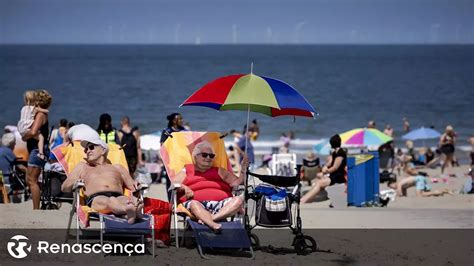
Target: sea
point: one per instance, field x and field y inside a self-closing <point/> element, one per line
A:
<point x="348" y="85"/>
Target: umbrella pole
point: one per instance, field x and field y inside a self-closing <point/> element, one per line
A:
<point x="246" y="218"/>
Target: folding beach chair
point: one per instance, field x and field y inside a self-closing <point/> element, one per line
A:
<point x="284" y="164"/>
<point x="309" y="170"/>
<point x="69" y="156"/>
<point x="176" y="153"/>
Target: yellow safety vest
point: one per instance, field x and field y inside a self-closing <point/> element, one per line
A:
<point x="108" y="138"/>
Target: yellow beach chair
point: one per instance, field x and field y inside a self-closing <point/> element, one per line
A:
<point x="72" y="154"/>
<point x="176" y="152"/>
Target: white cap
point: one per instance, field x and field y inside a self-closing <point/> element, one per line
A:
<point x="96" y="141"/>
<point x="82" y="132"/>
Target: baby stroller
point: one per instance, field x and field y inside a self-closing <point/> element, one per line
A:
<point x="275" y="211"/>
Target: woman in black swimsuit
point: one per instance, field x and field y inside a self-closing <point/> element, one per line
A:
<point x="446" y="146"/>
<point x="333" y="172"/>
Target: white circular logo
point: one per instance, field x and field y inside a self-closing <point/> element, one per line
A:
<point x="18" y="246"/>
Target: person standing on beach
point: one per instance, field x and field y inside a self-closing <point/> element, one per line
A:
<point x="371" y="124"/>
<point x="471" y="141"/>
<point x="446" y="146"/>
<point x="255" y="129"/>
<point x="241" y="148"/>
<point x="130" y="141"/>
<point x="106" y="132"/>
<point x="58" y="135"/>
<point x="406" y="125"/>
<point x="175" y="124"/>
<point x="388" y="130"/>
<point x="40" y="126"/>
<point x="28" y="113"/>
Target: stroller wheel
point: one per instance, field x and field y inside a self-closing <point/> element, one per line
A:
<point x="49" y="206"/>
<point x="254" y="241"/>
<point x="305" y="245"/>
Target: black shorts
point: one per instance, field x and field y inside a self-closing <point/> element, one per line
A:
<point x="447" y="149"/>
<point x="337" y="179"/>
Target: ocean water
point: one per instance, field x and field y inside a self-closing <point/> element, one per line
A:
<point x="348" y="85"/>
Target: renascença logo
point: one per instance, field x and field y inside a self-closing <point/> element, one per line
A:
<point x="18" y="246"/>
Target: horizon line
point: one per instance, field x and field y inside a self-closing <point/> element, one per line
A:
<point x="244" y="44"/>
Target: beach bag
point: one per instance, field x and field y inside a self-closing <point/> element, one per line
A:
<point x="161" y="212"/>
<point x="273" y="213"/>
<point x="278" y="205"/>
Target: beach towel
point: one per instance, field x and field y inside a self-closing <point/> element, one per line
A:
<point x="176" y="154"/>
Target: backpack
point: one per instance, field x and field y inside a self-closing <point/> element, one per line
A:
<point x="129" y="143"/>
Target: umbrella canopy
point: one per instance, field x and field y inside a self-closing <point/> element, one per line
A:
<point x="249" y="92"/>
<point x="364" y="137"/>
<point x="323" y="147"/>
<point x="422" y="133"/>
<point x="150" y="142"/>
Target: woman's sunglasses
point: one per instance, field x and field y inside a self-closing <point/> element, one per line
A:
<point x="89" y="147"/>
<point x="205" y="154"/>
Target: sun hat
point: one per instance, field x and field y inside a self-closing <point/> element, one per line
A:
<point x="96" y="141"/>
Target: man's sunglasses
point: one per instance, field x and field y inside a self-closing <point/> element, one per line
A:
<point x="89" y="147"/>
<point x="205" y="154"/>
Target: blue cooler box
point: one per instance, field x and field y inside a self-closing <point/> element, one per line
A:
<point x="363" y="180"/>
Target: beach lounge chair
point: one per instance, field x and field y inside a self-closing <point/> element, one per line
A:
<point x="176" y="153"/>
<point x="69" y="156"/>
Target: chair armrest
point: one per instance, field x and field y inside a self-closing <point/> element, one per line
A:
<point x="142" y="186"/>
<point x="78" y="185"/>
<point x="238" y="190"/>
<point x="174" y="186"/>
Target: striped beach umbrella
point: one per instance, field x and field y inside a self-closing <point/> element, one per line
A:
<point x="250" y="92"/>
<point x="364" y="137"/>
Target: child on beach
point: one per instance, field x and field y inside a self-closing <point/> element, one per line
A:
<point x="27" y="117"/>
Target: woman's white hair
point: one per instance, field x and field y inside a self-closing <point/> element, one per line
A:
<point x="199" y="147"/>
<point x="8" y="139"/>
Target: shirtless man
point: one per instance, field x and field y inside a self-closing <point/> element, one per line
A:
<point x="104" y="182"/>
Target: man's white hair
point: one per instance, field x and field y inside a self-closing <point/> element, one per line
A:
<point x="8" y="139"/>
<point x="200" y="146"/>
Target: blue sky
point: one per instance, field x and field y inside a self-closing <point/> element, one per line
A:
<point x="258" y="21"/>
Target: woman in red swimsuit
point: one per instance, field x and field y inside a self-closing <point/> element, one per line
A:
<point x="206" y="190"/>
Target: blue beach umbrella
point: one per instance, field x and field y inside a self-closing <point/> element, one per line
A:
<point x="323" y="147"/>
<point x="421" y="133"/>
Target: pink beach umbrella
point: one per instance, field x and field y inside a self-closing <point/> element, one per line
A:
<point x="364" y="137"/>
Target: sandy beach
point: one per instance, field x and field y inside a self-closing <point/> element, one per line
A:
<point x="442" y="226"/>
